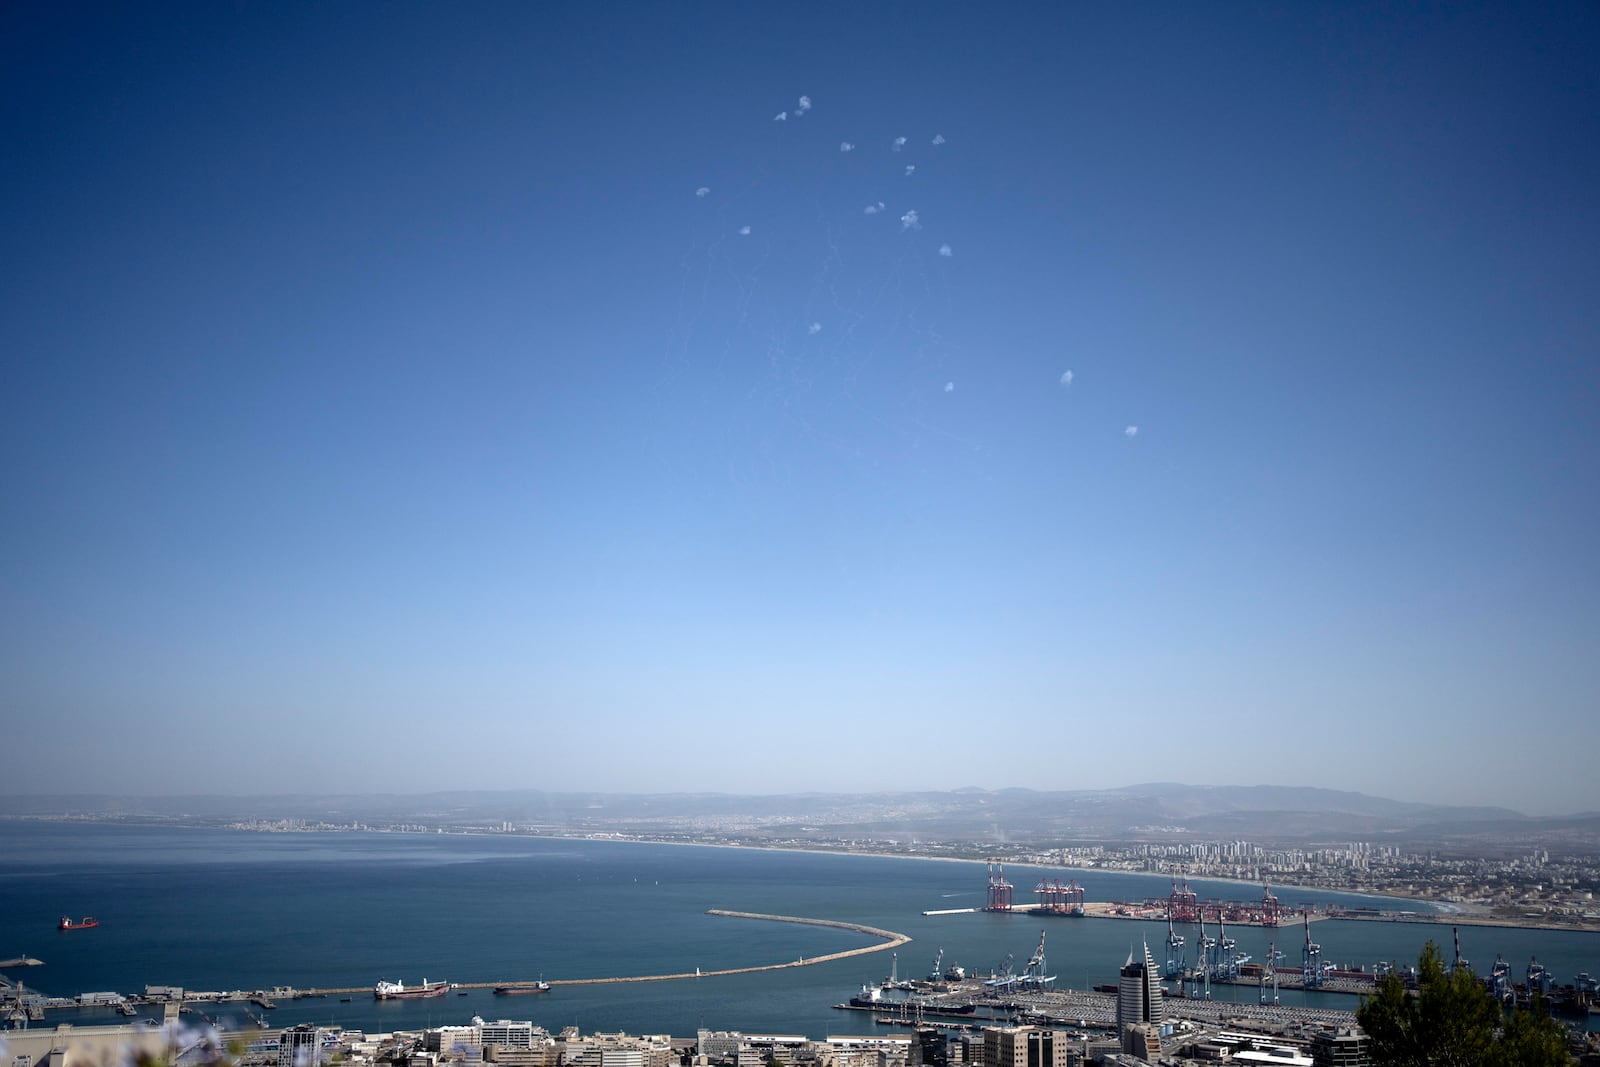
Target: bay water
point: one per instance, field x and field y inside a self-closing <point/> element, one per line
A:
<point x="224" y="910"/>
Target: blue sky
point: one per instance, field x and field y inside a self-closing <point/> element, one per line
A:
<point x="385" y="408"/>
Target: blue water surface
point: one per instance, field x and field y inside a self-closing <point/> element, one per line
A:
<point x="224" y="910"/>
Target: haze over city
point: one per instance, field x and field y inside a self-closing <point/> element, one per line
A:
<point x="769" y="399"/>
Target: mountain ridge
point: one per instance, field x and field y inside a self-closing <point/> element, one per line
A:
<point x="1145" y="811"/>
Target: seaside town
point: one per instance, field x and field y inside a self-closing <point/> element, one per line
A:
<point x="1130" y="1023"/>
<point x="521" y="1043"/>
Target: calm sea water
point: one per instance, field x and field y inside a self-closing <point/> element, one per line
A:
<point x="216" y="910"/>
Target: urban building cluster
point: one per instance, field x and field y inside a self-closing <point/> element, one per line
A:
<point x="1532" y="886"/>
<point x="1143" y="1033"/>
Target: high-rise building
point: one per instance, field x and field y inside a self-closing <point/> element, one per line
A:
<point x="299" y="1046"/>
<point x="507" y="1032"/>
<point x="1342" y="1048"/>
<point x="930" y="1049"/>
<point x="1138" y="996"/>
<point x="1023" y="1046"/>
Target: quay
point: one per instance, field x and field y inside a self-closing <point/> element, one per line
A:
<point x="1085" y="1007"/>
<point x="1126" y="910"/>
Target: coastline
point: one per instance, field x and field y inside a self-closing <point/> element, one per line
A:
<point x="476" y="911"/>
<point x="1437" y="912"/>
<point x="1442" y="913"/>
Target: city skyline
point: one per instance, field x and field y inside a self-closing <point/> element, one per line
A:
<point x="785" y="400"/>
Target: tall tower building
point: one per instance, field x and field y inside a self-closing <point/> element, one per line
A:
<point x="300" y="1046"/>
<point x="1138" y="995"/>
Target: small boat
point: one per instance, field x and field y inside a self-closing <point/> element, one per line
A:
<point x="524" y="990"/>
<point x="84" y="923"/>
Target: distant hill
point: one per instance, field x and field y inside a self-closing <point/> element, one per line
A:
<point x="1154" y="811"/>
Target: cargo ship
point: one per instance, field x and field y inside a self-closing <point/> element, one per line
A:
<point x="526" y="989"/>
<point x="401" y="991"/>
<point x="870" y="998"/>
<point x="84" y="923"/>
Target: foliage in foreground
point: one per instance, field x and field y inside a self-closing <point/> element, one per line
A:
<point x="1452" y="1021"/>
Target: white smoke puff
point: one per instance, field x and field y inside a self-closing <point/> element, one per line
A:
<point x="1130" y="431"/>
<point x="909" y="220"/>
<point x="814" y="328"/>
<point x="911" y="168"/>
<point x="846" y="146"/>
<point x="938" y="138"/>
<point x="804" y="106"/>
<point x="703" y="192"/>
<point x="782" y="116"/>
<point x="744" y="231"/>
<point x="949" y="387"/>
<point x="899" y="143"/>
<point x="945" y="251"/>
<point x="872" y="209"/>
<point x="1066" y="377"/>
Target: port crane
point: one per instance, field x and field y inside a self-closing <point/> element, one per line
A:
<point x="1175" y="954"/>
<point x="999" y="898"/>
<point x="1202" y="956"/>
<point x="1271" y="910"/>
<point x="1455" y="932"/>
<point x="1311" y="956"/>
<point x="1006" y="979"/>
<point x="1184" y="903"/>
<point x="1500" y="981"/>
<point x="1033" y="976"/>
<point x="1227" y="961"/>
<point x="1539" y="980"/>
<point x="1271" y="968"/>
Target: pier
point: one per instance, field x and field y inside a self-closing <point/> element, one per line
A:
<point x="263" y="998"/>
<point x="890" y="939"/>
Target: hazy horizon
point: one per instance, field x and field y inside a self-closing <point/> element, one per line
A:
<point x="482" y="794"/>
<point x="806" y="399"/>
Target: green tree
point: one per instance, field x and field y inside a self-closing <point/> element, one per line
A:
<point x="1532" y="1039"/>
<point x="1452" y="1021"/>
